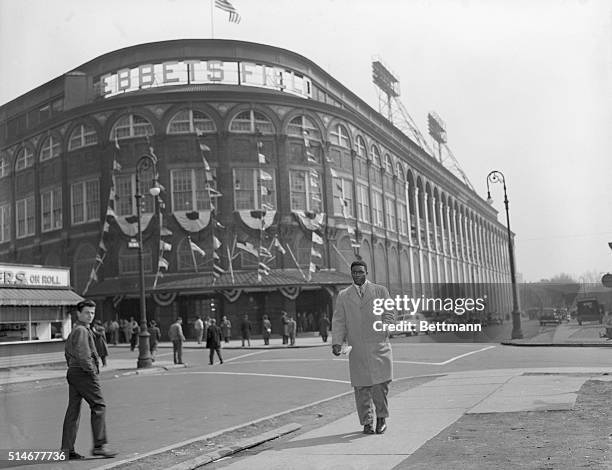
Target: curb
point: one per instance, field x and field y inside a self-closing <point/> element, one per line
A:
<point x="204" y="459"/>
<point x="571" y="345"/>
<point x="150" y="370"/>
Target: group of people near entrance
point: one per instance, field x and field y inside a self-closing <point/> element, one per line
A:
<point x="370" y="359"/>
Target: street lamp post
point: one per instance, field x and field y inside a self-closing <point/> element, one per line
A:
<point x="497" y="177"/>
<point x="144" y="163"/>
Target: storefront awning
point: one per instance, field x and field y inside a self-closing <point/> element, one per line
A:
<point x="38" y="297"/>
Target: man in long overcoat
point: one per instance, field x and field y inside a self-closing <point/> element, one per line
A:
<point x="213" y="340"/>
<point x="370" y="359"/>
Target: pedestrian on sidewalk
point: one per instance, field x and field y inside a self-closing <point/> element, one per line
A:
<point x="213" y="341"/>
<point x="292" y="327"/>
<point x="245" y="329"/>
<point x="100" y="340"/>
<point x="127" y="331"/>
<point x="176" y="336"/>
<point x="134" y="331"/>
<point x="199" y="329"/>
<point x="114" y="332"/>
<point x="84" y="383"/>
<point x="285" y="327"/>
<point x="370" y="359"/>
<point x="324" y="328"/>
<point x="266" y="329"/>
<point x="154" y="338"/>
<point x="226" y="329"/>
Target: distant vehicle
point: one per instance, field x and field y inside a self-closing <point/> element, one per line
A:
<point x="549" y="315"/>
<point x="589" y="309"/>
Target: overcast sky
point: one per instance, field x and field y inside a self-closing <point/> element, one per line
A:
<point x="524" y="87"/>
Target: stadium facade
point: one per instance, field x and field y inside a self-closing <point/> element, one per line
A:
<point x="264" y="159"/>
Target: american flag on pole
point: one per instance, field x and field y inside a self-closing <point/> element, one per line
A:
<point x="224" y="5"/>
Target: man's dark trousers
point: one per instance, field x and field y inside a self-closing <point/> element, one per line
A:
<point x="212" y="354"/>
<point x="83" y="385"/>
<point x="177" y="345"/>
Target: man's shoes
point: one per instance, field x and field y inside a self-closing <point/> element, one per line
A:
<point x="381" y="426"/>
<point x="210" y="363"/>
<point x="72" y="455"/>
<point x="103" y="451"/>
<point x="221" y="362"/>
<point x="368" y="429"/>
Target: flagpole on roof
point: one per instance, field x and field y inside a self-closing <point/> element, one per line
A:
<point x="212" y="21"/>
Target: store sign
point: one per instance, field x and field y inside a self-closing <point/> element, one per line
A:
<point x="195" y="72"/>
<point x="33" y="276"/>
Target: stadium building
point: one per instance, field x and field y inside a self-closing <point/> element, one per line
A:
<point x="273" y="178"/>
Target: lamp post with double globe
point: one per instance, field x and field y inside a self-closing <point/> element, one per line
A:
<point x="498" y="177"/>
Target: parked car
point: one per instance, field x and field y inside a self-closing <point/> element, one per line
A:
<point x="589" y="309"/>
<point x="549" y="315"/>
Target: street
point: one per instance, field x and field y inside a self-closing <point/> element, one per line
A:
<point x="149" y="412"/>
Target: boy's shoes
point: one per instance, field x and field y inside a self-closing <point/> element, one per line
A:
<point x="381" y="425"/>
<point x="72" y="455"/>
<point x="103" y="451"/>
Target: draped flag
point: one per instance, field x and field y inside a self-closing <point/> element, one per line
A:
<point x="234" y="16"/>
<point x="248" y="247"/>
<point x="163" y="263"/>
<point x="277" y="244"/>
<point x="317" y="239"/>
<point x="218" y="271"/>
<point x="263" y="251"/>
<point x="196" y="248"/>
<point x="263" y="269"/>
<point x="265" y="176"/>
<point x="216" y="243"/>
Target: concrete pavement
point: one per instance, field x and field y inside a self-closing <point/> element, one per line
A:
<point x="421" y="413"/>
<point x="566" y="334"/>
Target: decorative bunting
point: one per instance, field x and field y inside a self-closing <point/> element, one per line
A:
<point x="216" y="243"/>
<point x="163" y="246"/>
<point x="192" y="221"/>
<point x="315" y="253"/>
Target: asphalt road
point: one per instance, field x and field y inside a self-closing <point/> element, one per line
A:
<point x="147" y="412"/>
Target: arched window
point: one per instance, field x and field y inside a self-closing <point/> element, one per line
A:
<point x="50" y="148"/>
<point x="25" y="159"/>
<point x="186" y="257"/>
<point x="82" y="136"/>
<point x="131" y="126"/>
<point x="360" y="150"/>
<point x="300" y="125"/>
<point x="250" y="122"/>
<point x="375" y="176"/>
<point x="339" y="136"/>
<point x="360" y="147"/>
<point x="388" y="174"/>
<point x="189" y="121"/>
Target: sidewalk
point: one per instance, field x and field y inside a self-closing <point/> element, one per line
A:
<point x="53" y="371"/>
<point x="423" y="412"/>
<point x="566" y="334"/>
<point x="30" y="368"/>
